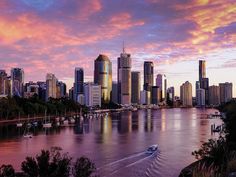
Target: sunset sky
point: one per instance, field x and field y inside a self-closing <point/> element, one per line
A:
<point x="56" y="36"/>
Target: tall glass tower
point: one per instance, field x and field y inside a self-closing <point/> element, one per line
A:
<point x="103" y="76"/>
<point x="148" y="75"/>
<point x="17" y="78"/>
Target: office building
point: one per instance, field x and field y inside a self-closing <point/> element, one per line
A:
<point x="200" y="97"/>
<point x="135" y="87"/>
<point x="186" y="94"/>
<point x="145" y="97"/>
<point x="79" y="85"/>
<point x="171" y="95"/>
<point x="51" y="86"/>
<point x="148" y="75"/>
<point x="124" y="78"/>
<point x="214" y="95"/>
<point x="42" y="90"/>
<point x="61" y="89"/>
<point x="114" y="92"/>
<point x="202" y="69"/>
<point x="226" y="92"/>
<point x="17" y="84"/>
<point x="31" y="89"/>
<point x="71" y="93"/>
<point x="155" y="95"/>
<point x="161" y="82"/>
<point x="204" y="84"/>
<point x="3" y="80"/>
<point x="103" y="76"/>
<point x="92" y="95"/>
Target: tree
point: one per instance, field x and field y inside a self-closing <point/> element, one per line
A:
<point x="83" y="167"/>
<point x="7" y="171"/>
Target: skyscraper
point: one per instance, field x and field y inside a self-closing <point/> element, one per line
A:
<point x="51" y="86"/>
<point x="135" y="91"/>
<point x="186" y="94"/>
<point x="79" y="84"/>
<point x="3" y="78"/>
<point x="214" y="95"/>
<point x="171" y="95"/>
<point x="114" y="92"/>
<point x="148" y="75"/>
<point x="226" y="92"/>
<point x="155" y="95"/>
<point x="17" y="86"/>
<point x="92" y="94"/>
<point x="204" y="84"/>
<point x="124" y="78"/>
<point x="103" y="76"/>
<point x="202" y="69"/>
<point x="161" y="82"/>
<point x="200" y="97"/>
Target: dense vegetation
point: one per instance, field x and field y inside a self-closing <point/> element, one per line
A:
<point x="12" y="107"/>
<point x="51" y="164"/>
<point x="217" y="158"/>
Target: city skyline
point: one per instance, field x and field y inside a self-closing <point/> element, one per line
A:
<point x="36" y="36"/>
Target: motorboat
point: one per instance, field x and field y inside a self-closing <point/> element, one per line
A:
<point x="71" y="120"/>
<point x="28" y="135"/>
<point x="151" y="149"/>
<point x="47" y="125"/>
<point x="19" y="125"/>
<point x="65" y="122"/>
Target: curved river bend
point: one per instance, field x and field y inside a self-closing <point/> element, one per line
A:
<point x="117" y="143"/>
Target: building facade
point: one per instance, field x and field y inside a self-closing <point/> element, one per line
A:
<point x="155" y="95"/>
<point x="145" y="97"/>
<point x="114" y="92"/>
<point x="186" y="94"/>
<point x="202" y="69"/>
<point x="148" y="75"/>
<point x="3" y="80"/>
<point x="200" y="97"/>
<point x="226" y="92"/>
<point x="78" y="84"/>
<point x="103" y="76"/>
<point x="135" y="87"/>
<point x="92" y="95"/>
<point x="124" y="78"/>
<point x="51" y="86"/>
<point x="17" y="82"/>
<point x="214" y="95"/>
<point x="161" y="82"/>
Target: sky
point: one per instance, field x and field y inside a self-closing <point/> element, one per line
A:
<point x="55" y="36"/>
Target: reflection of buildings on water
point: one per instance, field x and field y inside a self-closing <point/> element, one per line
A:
<point x="148" y="126"/>
<point x="125" y="123"/>
<point x="163" y="119"/>
<point x="135" y="121"/>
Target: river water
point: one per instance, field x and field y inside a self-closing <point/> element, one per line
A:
<point x="117" y="142"/>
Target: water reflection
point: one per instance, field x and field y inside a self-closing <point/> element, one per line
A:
<point x="120" y="136"/>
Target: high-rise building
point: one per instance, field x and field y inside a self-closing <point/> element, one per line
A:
<point x="148" y="75"/>
<point x="145" y="97"/>
<point x="92" y="94"/>
<point x="155" y="95"/>
<point x="202" y="69"/>
<point x="204" y="84"/>
<point x="214" y="95"/>
<point x="17" y="86"/>
<point x="226" y="92"/>
<point x="61" y="89"/>
<point x="161" y="82"/>
<point x="114" y="92"/>
<point x="124" y="78"/>
<point x="79" y="84"/>
<point x="42" y="90"/>
<point x="135" y="87"/>
<point x="3" y="79"/>
<point x="71" y="93"/>
<point x="51" y="86"/>
<point x="171" y="94"/>
<point x="200" y="97"/>
<point x="103" y="76"/>
<point x="186" y="94"/>
<point x="31" y="89"/>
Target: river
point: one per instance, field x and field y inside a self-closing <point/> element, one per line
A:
<point x="117" y="142"/>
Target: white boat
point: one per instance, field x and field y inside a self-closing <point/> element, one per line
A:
<point x="62" y="118"/>
<point x="65" y="122"/>
<point x="72" y="121"/>
<point x="19" y="125"/>
<point x="58" y="124"/>
<point x="28" y="135"/>
<point x="47" y="125"/>
<point x="152" y="149"/>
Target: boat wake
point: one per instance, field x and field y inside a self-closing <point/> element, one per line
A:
<point x="127" y="163"/>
